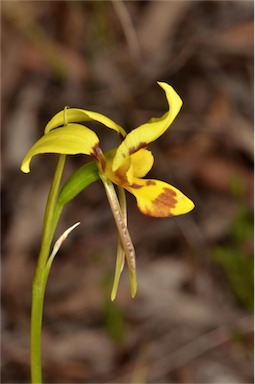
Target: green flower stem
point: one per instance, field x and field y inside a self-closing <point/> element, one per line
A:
<point x="52" y="215"/>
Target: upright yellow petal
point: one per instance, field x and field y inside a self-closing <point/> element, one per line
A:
<point x="76" y="115"/>
<point x="142" y="162"/>
<point x="136" y="165"/>
<point x="71" y="139"/>
<point x="146" y="133"/>
<point x="158" y="199"/>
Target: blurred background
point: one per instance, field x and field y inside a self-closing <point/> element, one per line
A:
<point x="191" y="321"/>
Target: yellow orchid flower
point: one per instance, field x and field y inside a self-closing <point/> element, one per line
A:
<point x="124" y="166"/>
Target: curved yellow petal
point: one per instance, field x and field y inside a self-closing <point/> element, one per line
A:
<point x="158" y="199"/>
<point x="146" y="133"/>
<point x="142" y="162"/>
<point x="120" y="176"/>
<point x="136" y="165"/>
<point x="70" y="140"/>
<point x="130" y="173"/>
<point x="76" y="115"/>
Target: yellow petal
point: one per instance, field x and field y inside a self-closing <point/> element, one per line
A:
<point x="70" y="140"/>
<point x="146" y="133"/>
<point x="158" y="199"/>
<point x="76" y="115"/>
<point x="120" y="176"/>
<point x="142" y="162"/>
<point x="136" y="165"/>
<point x="129" y="174"/>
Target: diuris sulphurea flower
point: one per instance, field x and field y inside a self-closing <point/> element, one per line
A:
<point x="125" y="166"/>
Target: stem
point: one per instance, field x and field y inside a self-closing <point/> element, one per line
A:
<point x="51" y="217"/>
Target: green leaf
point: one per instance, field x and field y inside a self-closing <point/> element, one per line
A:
<point x="79" y="180"/>
<point x="76" y="115"/>
<point x="71" y="139"/>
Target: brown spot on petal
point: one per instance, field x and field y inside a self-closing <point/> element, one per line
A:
<point x="164" y="202"/>
<point x="139" y="146"/>
<point x="98" y="156"/>
<point x="150" y="182"/>
<point x="96" y="151"/>
<point x="161" y="206"/>
<point x="138" y="186"/>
